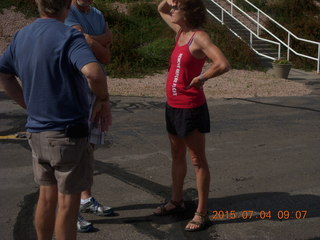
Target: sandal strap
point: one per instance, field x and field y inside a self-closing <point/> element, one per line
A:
<point x="175" y="203"/>
<point x="198" y="223"/>
<point x="162" y="209"/>
<point x="201" y="214"/>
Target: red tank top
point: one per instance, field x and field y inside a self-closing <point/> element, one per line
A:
<point x="183" y="68"/>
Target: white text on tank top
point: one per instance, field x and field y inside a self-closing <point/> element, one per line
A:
<point x="176" y="76"/>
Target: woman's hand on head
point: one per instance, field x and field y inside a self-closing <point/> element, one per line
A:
<point x="170" y="2"/>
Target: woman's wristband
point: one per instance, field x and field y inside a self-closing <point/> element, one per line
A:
<point x="202" y="79"/>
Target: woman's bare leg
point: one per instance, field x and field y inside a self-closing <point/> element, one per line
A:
<point x="178" y="169"/>
<point x="196" y="145"/>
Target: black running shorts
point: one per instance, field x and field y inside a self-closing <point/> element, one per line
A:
<point x="182" y="121"/>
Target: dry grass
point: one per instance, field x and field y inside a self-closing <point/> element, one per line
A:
<point x="10" y="23"/>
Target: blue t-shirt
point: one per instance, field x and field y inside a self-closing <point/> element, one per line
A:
<point x="47" y="57"/>
<point x="92" y="23"/>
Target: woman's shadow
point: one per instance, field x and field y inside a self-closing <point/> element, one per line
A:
<point x="247" y="207"/>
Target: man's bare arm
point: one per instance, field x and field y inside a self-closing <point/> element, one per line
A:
<point x="98" y="84"/>
<point x="12" y="87"/>
<point x="97" y="80"/>
<point x="104" y="39"/>
<point x="99" y="45"/>
<point x="102" y="53"/>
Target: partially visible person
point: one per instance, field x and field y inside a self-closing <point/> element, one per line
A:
<point x="51" y="59"/>
<point x="187" y="116"/>
<point x="91" y="22"/>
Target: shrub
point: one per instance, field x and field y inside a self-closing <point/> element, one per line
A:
<point x="5" y="4"/>
<point x="246" y="7"/>
<point x="281" y="61"/>
<point x="236" y="51"/>
<point x="143" y="10"/>
<point x="28" y="7"/>
<point x="142" y="42"/>
<point x="301" y="17"/>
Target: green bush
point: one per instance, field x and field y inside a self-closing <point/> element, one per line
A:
<point x="28" y="7"/>
<point x="281" y="61"/>
<point x="156" y="55"/>
<point x="246" y="7"/>
<point x="142" y="42"/>
<point x="293" y="12"/>
<point x="5" y="4"/>
<point x="143" y="10"/>
<point x="301" y="17"/>
<point x="139" y="44"/>
<point x="126" y="1"/>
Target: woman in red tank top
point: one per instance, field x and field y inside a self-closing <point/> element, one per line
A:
<point x="187" y="116"/>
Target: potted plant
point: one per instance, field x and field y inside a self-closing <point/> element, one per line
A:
<point x="281" y="68"/>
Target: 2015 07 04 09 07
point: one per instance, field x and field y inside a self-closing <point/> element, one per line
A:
<point x="258" y="215"/>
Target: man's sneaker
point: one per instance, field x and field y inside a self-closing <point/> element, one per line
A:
<point x="83" y="225"/>
<point x="94" y="207"/>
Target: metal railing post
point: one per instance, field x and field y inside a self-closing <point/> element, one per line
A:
<point x="231" y="10"/>
<point x="288" y="51"/>
<point x="222" y="18"/>
<point x="258" y="23"/>
<point x="280" y="42"/>
<point x="318" y="67"/>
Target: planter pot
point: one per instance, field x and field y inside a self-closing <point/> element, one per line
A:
<point x="281" y="70"/>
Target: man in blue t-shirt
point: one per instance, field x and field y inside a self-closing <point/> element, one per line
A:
<point x="91" y="22"/>
<point x="51" y="59"/>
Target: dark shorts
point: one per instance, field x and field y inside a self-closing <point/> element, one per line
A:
<point x="62" y="161"/>
<point x="182" y="121"/>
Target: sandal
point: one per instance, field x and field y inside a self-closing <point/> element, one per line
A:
<point x="201" y="224"/>
<point x="179" y="207"/>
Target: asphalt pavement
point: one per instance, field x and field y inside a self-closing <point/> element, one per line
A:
<point x="263" y="153"/>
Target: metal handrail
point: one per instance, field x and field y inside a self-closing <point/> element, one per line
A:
<point x="287" y="45"/>
<point x="251" y="32"/>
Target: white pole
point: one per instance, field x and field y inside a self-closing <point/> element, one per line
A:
<point x="222" y="16"/>
<point x="318" y="67"/>
<point x="231" y="7"/>
<point x="288" y="51"/>
<point x="258" y="23"/>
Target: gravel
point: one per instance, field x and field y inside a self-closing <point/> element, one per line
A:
<point x="235" y="83"/>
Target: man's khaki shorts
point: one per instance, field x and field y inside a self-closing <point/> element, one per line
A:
<point x="62" y="161"/>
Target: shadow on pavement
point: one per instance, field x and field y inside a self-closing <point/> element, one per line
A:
<point x="274" y="202"/>
<point x="275" y="105"/>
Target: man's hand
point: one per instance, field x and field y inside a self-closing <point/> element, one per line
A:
<point x="12" y="87"/>
<point x="101" y="115"/>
